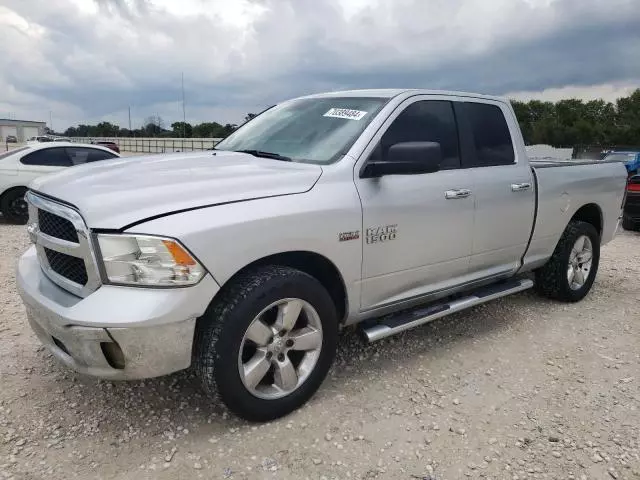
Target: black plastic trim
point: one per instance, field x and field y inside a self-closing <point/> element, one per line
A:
<point x="496" y="288"/>
<point x="535" y="216"/>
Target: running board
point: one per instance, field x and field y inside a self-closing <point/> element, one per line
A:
<point x="388" y="325"/>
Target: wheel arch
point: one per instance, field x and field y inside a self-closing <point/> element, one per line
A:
<point x="12" y="189"/>
<point x="590" y="213"/>
<point x="312" y="263"/>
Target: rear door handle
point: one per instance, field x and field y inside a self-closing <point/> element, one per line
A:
<point x="519" y="187"/>
<point x="457" y="193"/>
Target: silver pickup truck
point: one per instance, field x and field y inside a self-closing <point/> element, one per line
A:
<point x="383" y="208"/>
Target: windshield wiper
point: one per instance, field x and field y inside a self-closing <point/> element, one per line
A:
<point x="260" y="153"/>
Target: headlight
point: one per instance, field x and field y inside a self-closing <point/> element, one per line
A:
<point x="148" y="261"/>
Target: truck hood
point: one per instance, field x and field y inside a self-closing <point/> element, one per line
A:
<point x="115" y="193"/>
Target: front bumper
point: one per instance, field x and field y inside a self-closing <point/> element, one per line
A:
<point x="152" y="329"/>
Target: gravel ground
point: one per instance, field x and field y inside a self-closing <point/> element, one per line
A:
<point x="519" y="388"/>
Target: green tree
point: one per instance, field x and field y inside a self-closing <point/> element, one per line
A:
<point x="106" y="129"/>
<point x="572" y="122"/>
<point x="71" y="132"/>
<point x="523" y="115"/>
<point x="154" y="126"/>
<point x="228" y="129"/>
<point x="181" y="129"/>
<point x="206" y="130"/>
<point x="628" y="119"/>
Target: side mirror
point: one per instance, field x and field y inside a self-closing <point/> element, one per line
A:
<point x="407" y="158"/>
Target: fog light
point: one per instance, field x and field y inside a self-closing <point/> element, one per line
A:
<point x="113" y="354"/>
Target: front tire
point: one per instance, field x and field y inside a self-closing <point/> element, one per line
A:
<point x="265" y="346"/>
<point x="571" y="270"/>
<point x="14" y="206"/>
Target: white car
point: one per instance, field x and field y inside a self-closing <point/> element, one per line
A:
<point x="20" y="166"/>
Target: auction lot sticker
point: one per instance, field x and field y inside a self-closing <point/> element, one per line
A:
<point x="345" y="113"/>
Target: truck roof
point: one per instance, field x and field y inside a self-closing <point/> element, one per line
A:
<point x="394" y="92"/>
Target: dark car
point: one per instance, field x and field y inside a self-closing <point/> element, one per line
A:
<point x="11" y="139"/>
<point x="631" y="214"/>
<point x="111" y="145"/>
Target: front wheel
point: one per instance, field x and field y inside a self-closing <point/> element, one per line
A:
<point x="14" y="206"/>
<point x="267" y="343"/>
<point x="571" y="270"/>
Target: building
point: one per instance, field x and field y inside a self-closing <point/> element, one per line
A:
<point x="23" y="130"/>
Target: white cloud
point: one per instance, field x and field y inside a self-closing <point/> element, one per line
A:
<point x="85" y="7"/>
<point x="91" y="59"/>
<point x="239" y="13"/>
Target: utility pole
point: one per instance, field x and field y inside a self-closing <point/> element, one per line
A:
<point x="184" y="114"/>
<point x="50" y="121"/>
<point x="129" y="118"/>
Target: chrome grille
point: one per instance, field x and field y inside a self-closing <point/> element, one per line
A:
<point x="57" y="227"/>
<point x="69" y="267"/>
<point x="63" y="243"/>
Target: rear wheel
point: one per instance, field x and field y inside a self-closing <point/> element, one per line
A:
<point x="571" y="270"/>
<point x="267" y="343"/>
<point x="14" y="206"/>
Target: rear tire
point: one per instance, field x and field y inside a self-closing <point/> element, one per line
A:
<point x="571" y="271"/>
<point x="14" y="206"/>
<point x="224" y="348"/>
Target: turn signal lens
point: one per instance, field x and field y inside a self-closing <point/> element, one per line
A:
<point x="178" y="253"/>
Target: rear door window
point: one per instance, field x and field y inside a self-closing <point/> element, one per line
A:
<point x="80" y="155"/>
<point x="48" y="157"/>
<point x="489" y="140"/>
<point x="96" y="155"/>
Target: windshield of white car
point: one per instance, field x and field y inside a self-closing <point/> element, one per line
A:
<point x="306" y="130"/>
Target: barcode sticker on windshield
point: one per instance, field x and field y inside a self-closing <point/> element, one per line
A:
<point x="345" y="113"/>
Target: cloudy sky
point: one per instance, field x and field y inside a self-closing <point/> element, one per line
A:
<point x="89" y="60"/>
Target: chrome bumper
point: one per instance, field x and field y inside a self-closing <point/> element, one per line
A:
<point x="151" y="328"/>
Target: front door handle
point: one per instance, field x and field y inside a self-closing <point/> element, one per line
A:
<point x="519" y="187"/>
<point x="458" y="193"/>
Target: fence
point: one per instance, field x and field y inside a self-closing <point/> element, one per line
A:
<point x="154" y="145"/>
<point x="547" y="151"/>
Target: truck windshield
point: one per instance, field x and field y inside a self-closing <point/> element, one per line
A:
<point x="307" y="130"/>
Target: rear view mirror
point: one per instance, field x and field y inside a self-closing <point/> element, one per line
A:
<point x="407" y="158"/>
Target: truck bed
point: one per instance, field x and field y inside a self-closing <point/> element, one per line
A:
<point x="563" y="187"/>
